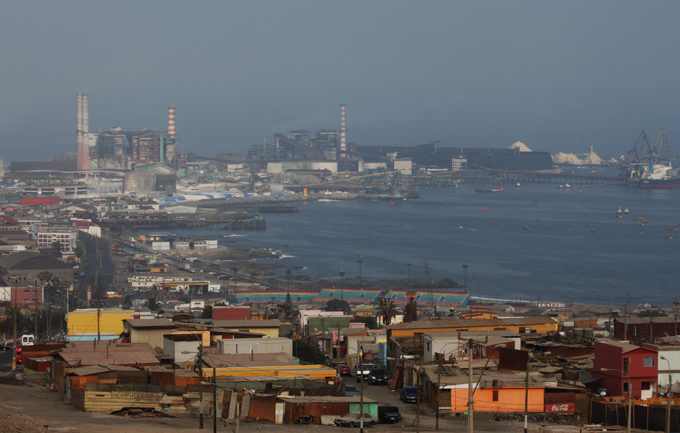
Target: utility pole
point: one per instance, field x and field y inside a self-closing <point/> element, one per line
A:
<point x="215" y="398"/>
<point x="16" y="311"/>
<point x="625" y="313"/>
<point x="470" y="390"/>
<point x="526" y="401"/>
<point x="439" y="378"/>
<point x="418" y="401"/>
<point x="35" y="299"/>
<point x="99" y="312"/>
<point x="361" y="389"/>
<point x="200" y="383"/>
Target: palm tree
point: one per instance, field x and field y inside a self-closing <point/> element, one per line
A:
<point x="152" y="304"/>
<point x="387" y="310"/>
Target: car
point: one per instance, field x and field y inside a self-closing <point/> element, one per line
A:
<point x="353" y="419"/>
<point x="366" y="370"/>
<point x="409" y="394"/>
<point x="377" y="376"/>
<point x="3" y="346"/>
<point x="388" y="414"/>
<point x="351" y="391"/>
<point x="344" y="370"/>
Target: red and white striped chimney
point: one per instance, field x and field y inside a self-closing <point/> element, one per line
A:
<point x="86" y="134"/>
<point x="171" y="122"/>
<point x="79" y="132"/>
<point x="343" y="143"/>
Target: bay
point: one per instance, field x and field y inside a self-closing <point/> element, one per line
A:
<point x="573" y="249"/>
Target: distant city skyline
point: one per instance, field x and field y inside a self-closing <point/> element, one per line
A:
<point x="557" y="76"/>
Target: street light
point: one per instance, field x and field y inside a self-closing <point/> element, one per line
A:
<point x="625" y="312"/>
<point x="16" y="310"/>
<point x="360" y="261"/>
<point x="630" y="388"/>
<point x="670" y="394"/>
<point x="471" y="390"/>
<point x="200" y="378"/>
<point x="465" y="267"/>
<point x="408" y="268"/>
<point x="342" y="288"/>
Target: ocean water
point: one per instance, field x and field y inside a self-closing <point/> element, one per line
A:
<point x="573" y="249"/>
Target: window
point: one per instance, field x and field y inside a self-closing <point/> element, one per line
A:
<point x="646" y="386"/>
<point x="625" y="387"/>
<point x="625" y="366"/>
<point x="427" y="346"/>
<point x="648" y="361"/>
<point x="495" y="396"/>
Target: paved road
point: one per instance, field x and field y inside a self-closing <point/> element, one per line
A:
<point x="5" y="360"/>
<point x="97" y="259"/>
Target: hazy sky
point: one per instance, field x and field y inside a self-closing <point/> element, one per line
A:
<point x="558" y="76"/>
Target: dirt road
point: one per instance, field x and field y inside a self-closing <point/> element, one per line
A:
<point x="36" y="410"/>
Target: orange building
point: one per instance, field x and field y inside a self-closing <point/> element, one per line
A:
<point x="499" y="399"/>
<point x="539" y="325"/>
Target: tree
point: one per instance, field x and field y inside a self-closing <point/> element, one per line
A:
<point x="207" y="312"/>
<point x="338" y="305"/>
<point x="308" y="353"/>
<point x="386" y="309"/>
<point x="152" y="304"/>
<point x="56" y="245"/>
<point x="79" y="251"/>
<point x="411" y="311"/>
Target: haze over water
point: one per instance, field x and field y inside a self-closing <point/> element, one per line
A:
<point x="585" y="254"/>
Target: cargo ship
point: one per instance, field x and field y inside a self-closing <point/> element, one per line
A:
<point x="659" y="176"/>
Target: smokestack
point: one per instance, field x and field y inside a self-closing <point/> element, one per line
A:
<point x="171" y="122"/>
<point x="86" y="134"/>
<point x="343" y="144"/>
<point x="79" y="132"/>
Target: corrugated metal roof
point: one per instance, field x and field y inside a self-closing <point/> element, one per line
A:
<point x="97" y="369"/>
<point x="325" y="399"/>
<point x="151" y="323"/>
<point x="626" y="347"/>
<point x="139" y="354"/>
<point x="471" y="323"/>
<point x="275" y="323"/>
<point x="250" y="360"/>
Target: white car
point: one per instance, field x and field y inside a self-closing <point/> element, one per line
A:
<point x="353" y="419"/>
<point x="366" y="370"/>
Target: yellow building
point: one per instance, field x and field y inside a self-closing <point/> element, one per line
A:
<point x="89" y="324"/>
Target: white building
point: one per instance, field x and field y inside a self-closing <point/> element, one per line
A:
<point x="255" y="345"/>
<point x="66" y="236"/>
<point x="160" y="245"/>
<point x="205" y="244"/>
<point x="447" y="343"/>
<point x="671" y="352"/>
<point x="175" y="344"/>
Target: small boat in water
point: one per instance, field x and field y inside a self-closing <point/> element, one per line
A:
<point x="566" y="185"/>
<point x="488" y="190"/>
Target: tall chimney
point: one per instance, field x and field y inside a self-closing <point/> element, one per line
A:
<point x="171" y="122"/>
<point x="343" y="144"/>
<point x="79" y="132"/>
<point x="86" y="134"/>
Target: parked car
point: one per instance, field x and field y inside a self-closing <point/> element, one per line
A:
<point x="377" y="376"/>
<point x="353" y="419"/>
<point x="388" y="414"/>
<point x="3" y="346"/>
<point x="351" y="391"/>
<point x="409" y="394"/>
<point x="366" y="370"/>
<point x="344" y="370"/>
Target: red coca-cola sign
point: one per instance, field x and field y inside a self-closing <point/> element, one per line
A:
<point x="560" y="407"/>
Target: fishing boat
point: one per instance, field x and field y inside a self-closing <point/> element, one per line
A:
<point x="566" y="185"/>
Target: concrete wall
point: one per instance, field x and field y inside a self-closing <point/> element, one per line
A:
<point x="174" y="349"/>
<point x="672" y="354"/>
<point x="154" y="337"/>
<point x="256" y="345"/>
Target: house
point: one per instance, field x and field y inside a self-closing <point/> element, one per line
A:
<point x="22" y="297"/>
<point x="181" y="347"/>
<point x="620" y="364"/>
<point x="231" y="312"/>
<point x="669" y="350"/>
<point x="453" y="344"/>
<point x="645" y="329"/>
<point x="181" y="244"/>
<point x="159" y="245"/>
<point x="148" y="331"/>
<point x="255" y="345"/>
<point x="93" y="324"/>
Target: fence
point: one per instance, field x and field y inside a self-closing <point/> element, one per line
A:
<point x="649" y="414"/>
